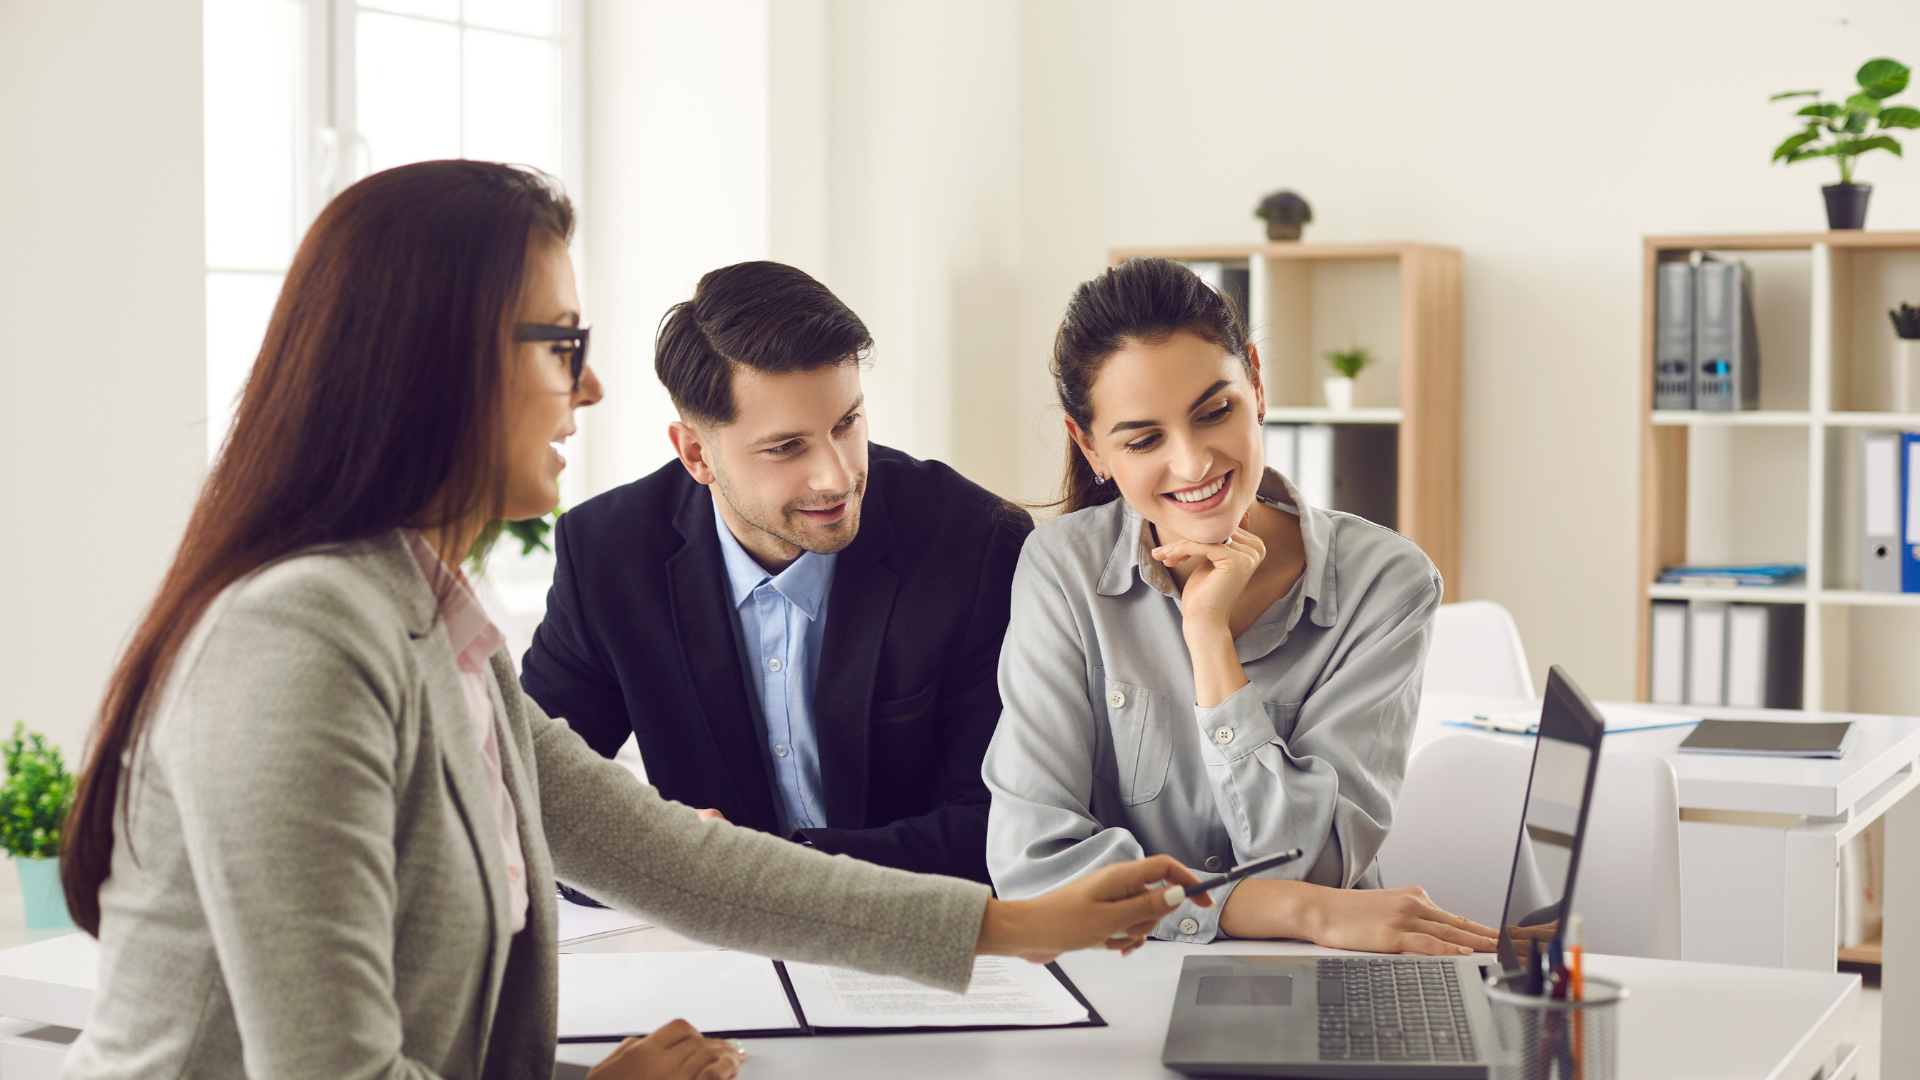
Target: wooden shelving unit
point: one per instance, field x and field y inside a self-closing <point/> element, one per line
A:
<point x="1781" y="483"/>
<point x="1403" y="302"/>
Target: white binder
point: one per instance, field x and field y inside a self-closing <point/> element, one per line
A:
<point x="1669" y="646"/>
<point x="1880" y="501"/>
<point x="1706" y="653"/>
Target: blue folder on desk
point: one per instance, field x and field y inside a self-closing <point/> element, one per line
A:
<point x="1620" y="718"/>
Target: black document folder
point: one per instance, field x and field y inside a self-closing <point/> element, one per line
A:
<point x="1768" y="738"/>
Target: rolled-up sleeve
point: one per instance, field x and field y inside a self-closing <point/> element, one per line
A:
<point x="1331" y="774"/>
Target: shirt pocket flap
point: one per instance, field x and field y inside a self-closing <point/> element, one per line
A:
<point x="1142" y="726"/>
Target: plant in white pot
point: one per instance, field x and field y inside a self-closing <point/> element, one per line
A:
<point x="1844" y="130"/>
<point x="1349" y="363"/>
<point x="1906" y="358"/>
<point x="33" y="805"/>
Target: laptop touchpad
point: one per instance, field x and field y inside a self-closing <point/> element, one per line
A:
<point x="1245" y="990"/>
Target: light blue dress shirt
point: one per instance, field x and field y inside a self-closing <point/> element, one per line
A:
<point x="783" y="618"/>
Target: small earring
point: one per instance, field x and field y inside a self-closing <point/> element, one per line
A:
<point x="1098" y="479"/>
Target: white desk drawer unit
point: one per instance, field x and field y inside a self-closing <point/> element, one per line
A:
<point x="1760" y="843"/>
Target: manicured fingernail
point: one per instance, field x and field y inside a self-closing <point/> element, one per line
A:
<point x="738" y="1047"/>
<point x="1174" y="896"/>
<point x="1118" y="935"/>
<point x="1463" y="950"/>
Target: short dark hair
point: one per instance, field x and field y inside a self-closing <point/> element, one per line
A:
<point x="764" y="315"/>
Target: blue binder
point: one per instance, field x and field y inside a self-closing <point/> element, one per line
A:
<point x="1910" y="512"/>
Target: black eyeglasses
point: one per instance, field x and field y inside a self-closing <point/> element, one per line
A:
<point x="576" y="336"/>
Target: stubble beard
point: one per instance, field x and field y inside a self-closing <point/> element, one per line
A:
<point x="785" y="525"/>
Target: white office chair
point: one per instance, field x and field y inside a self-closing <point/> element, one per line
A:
<point x="1476" y="650"/>
<point x="1459" y="812"/>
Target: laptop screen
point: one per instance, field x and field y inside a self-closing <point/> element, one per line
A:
<point x="1566" y="757"/>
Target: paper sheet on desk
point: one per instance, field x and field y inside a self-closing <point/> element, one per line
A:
<point x="1619" y="718"/>
<point x="1004" y="992"/>
<point x="610" y="995"/>
<point x="577" y="922"/>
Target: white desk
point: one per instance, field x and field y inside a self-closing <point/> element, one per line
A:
<point x="1760" y="847"/>
<point x="1701" y="1021"/>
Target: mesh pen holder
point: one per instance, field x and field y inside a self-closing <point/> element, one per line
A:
<point x="1543" y="1039"/>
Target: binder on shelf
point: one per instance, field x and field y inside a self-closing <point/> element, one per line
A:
<point x="1673" y="336"/>
<point x="1910" y="515"/>
<point x="1726" y="346"/>
<point x="1313" y="460"/>
<point x="1880" y="555"/>
<point x="1232" y="279"/>
<point x="1668" y="668"/>
<point x="1282" y="442"/>
<point x="1706" y="653"/>
<point x="1763" y="655"/>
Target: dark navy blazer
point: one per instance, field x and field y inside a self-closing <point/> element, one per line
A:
<point x="639" y="637"/>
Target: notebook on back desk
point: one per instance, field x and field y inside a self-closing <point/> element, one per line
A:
<point x="1360" y="1015"/>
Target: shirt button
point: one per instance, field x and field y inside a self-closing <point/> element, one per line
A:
<point x="780" y="750"/>
<point x="1213" y="863"/>
<point x="1189" y="926"/>
<point x="1117" y="699"/>
<point x="1223" y="735"/>
<point x="773" y="664"/>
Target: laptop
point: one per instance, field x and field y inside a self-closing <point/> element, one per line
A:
<point x="1393" y="1017"/>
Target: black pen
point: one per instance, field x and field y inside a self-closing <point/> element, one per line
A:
<point x="1244" y="869"/>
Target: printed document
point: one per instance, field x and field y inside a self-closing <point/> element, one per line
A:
<point x="1005" y="992"/>
<point x="611" y="995"/>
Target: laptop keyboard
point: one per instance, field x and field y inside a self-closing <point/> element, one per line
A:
<point x="1392" y="1010"/>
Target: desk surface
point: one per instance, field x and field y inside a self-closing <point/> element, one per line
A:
<point x="1702" y="1021"/>
<point x="1881" y="756"/>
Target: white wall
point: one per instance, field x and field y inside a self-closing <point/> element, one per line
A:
<point x="102" y="356"/>
<point x="678" y="172"/>
<point x="1542" y="140"/>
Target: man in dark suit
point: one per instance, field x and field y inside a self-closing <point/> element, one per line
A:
<point x="801" y="630"/>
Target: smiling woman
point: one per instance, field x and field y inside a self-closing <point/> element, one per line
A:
<point x="1199" y="663"/>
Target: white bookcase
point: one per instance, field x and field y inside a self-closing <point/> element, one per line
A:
<point x="1782" y="483"/>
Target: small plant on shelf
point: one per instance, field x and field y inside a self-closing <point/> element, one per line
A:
<point x="1906" y="358"/>
<point x="1906" y="322"/>
<point x="1349" y="363"/>
<point x="1285" y="213"/>
<point x="1845" y="130"/>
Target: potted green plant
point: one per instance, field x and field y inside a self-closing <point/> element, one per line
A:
<point x="1847" y="129"/>
<point x="33" y="805"/>
<point x="1906" y="358"/>
<point x="1348" y="363"/>
<point x="1284" y="212"/>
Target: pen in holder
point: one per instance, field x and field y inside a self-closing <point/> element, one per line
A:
<point x="1545" y="1038"/>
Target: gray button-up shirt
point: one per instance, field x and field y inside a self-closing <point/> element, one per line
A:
<point x="1102" y="756"/>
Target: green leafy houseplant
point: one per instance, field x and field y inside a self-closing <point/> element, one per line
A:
<point x="35" y="796"/>
<point x="532" y="534"/>
<point x="1350" y="362"/>
<point x="1847" y="129"/>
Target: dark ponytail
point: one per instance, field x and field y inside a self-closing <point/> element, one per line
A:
<point x="1141" y="300"/>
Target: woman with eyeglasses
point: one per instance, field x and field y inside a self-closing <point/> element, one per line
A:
<point x="319" y="825"/>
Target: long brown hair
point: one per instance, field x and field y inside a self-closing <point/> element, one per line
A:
<point x="1141" y="300"/>
<point x="374" y="403"/>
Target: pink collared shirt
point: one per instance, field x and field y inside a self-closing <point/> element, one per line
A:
<point x="474" y="639"/>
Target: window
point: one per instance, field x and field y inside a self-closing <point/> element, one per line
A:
<point x="303" y="97"/>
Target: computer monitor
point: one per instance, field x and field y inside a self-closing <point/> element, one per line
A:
<point x="1546" y="858"/>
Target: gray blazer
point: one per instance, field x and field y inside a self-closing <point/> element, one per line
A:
<point x="1101" y="754"/>
<point x="309" y="881"/>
